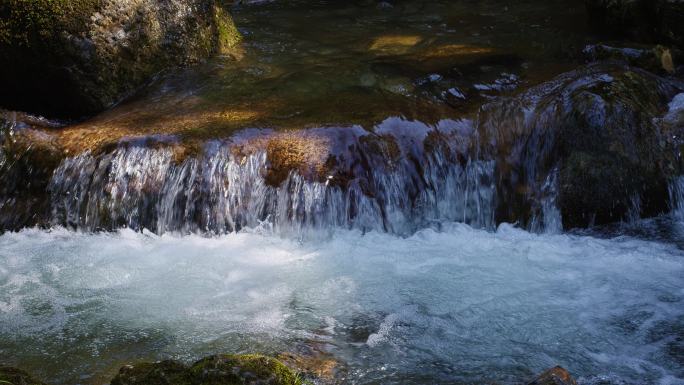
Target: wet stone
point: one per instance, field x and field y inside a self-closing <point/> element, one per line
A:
<point x="587" y="138"/>
<point x="554" y="376"/>
<point x="160" y="373"/>
<point x="215" y="370"/>
<point x="14" y="376"/>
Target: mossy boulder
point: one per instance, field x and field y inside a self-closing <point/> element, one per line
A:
<point x="593" y="138"/>
<point x="13" y="376"/>
<point x="255" y="369"/>
<point x="225" y="369"/>
<point x="653" y="21"/>
<point x="73" y="58"/>
<point x="159" y="373"/>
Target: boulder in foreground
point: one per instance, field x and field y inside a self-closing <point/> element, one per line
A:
<point x="225" y="369"/>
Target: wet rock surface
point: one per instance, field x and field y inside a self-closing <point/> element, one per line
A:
<point x="75" y="58"/>
<point x="213" y="370"/>
<point x="592" y="134"/>
<point x="13" y="376"/>
<point x="158" y="373"/>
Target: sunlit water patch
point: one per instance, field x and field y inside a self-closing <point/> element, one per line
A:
<point x="457" y="306"/>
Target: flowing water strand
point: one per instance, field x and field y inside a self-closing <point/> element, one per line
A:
<point x="676" y="189"/>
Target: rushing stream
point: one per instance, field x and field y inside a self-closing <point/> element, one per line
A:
<point x="456" y="306"/>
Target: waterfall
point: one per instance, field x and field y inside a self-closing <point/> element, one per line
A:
<point x="547" y="217"/>
<point x="143" y="187"/>
<point x="676" y="190"/>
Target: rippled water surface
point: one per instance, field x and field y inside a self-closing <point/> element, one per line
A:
<point x="456" y="306"/>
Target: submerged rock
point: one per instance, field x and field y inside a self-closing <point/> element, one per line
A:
<point x="13" y="376"/>
<point x="214" y="370"/>
<point x="588" y="140"/>
<point x="75" y="58"/>
<point x="554" y="376"/>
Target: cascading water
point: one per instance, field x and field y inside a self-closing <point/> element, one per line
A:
<point x="139" y="187"/>
<point x="677" y="198"/>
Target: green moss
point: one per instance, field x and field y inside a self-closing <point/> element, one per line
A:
<point x="214" y="370"/>
<point x="242" y="369"/>
<point x="159" y="373"/>
<point x="227" y="33"/>
<point x="25" y="22"/>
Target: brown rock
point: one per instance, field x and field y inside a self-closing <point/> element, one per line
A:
<point x="554" y="376"/>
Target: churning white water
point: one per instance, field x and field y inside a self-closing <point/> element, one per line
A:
<point x="456" y="306"/>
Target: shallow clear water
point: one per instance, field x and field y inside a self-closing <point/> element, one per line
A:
<point x="316" y="63"/>
<point x="456" y="306"/>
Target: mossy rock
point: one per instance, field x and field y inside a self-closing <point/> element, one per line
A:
<point x="242" y="369"/>
<point x="74" y="58"/>
<point x="225" y="369"/>
<point x="292" y="151"/>
<point x="594" y="137"/>
<point x="160" y="373"/>
<point x="28" y="22"/>
<point x="14" y="376"/>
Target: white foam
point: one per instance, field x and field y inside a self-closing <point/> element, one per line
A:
<point x="433" y="304"/>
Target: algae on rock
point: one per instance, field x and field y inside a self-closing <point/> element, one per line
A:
<point x="593" y="134"/>
<point x="224" y="369"/>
